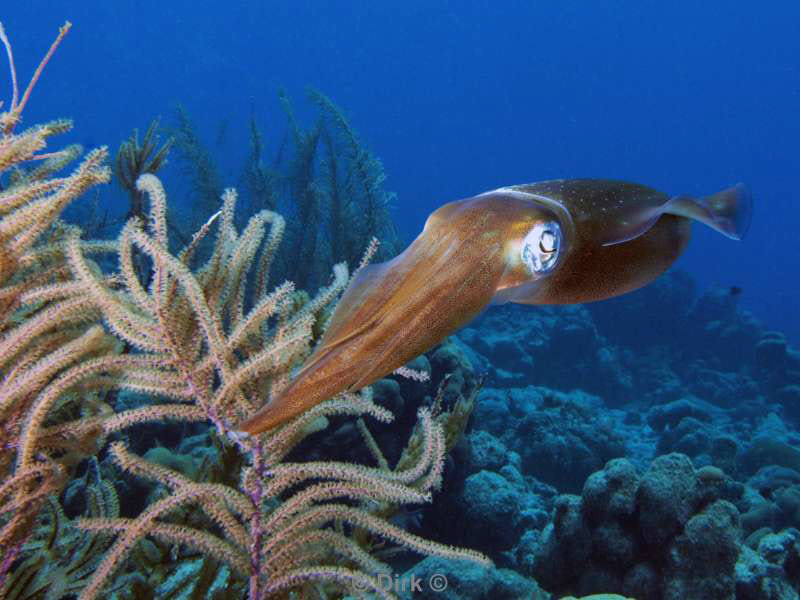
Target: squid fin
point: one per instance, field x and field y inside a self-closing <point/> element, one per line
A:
<point x="728" y="211"/>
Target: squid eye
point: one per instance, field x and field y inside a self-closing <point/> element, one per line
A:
<point x="541" y="247"/>
<point x="547" y="243"/>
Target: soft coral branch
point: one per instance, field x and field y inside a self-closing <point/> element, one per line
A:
<point x="16" y="107"/>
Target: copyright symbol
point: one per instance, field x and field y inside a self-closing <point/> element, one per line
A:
<point x="437" y="582"/>
<point x="361" y="584"/>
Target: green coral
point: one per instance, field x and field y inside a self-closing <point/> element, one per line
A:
<point x="322" y="177"/>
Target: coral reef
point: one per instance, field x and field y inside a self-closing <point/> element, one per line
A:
<point x="668" y="533"/>
<point x="712" y="385"/>
<point x="647" y="446"/>
<point x="195" y="348"/>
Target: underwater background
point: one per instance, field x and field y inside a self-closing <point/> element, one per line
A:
<point x="647" y="445"/>
<point x="461" y="97"/>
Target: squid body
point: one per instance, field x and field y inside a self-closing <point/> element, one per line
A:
<point x="553" y="242"/>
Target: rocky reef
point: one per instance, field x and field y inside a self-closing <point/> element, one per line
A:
<point x="651" y="461"/>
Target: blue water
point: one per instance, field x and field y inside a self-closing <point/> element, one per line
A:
<point x="460" y="97"/>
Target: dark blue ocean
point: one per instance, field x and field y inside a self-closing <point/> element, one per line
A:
<point x="461" y="97"/>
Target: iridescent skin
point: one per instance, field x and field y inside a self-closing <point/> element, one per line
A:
<point x="617" y="237"/>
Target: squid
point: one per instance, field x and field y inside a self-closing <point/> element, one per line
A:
<point x="554" y="242"/>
